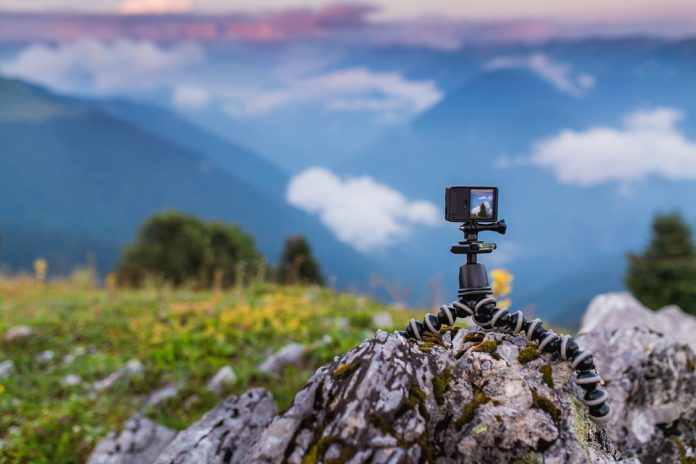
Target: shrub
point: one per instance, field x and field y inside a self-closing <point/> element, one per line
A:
<point x="179" y="248"/>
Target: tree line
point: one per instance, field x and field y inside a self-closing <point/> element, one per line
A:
<point x="180" y="248"/>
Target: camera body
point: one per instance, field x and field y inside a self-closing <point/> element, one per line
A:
<point x="471" y="204"/>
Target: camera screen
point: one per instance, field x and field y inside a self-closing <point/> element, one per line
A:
<point x="482" y="204"/>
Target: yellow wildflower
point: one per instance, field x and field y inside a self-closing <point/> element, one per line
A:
<point x="40" y="268"/>
<point x="502" y="283"/>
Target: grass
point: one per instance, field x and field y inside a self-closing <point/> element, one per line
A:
<point x="181" y="336"/>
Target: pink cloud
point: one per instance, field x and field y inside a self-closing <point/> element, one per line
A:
<point x="142" y="24"/>
<point x="155" y="6"/>
<point x="348" y="22"/>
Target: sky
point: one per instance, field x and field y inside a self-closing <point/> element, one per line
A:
<point x="570" y="10"/>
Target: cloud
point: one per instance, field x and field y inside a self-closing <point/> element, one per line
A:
<point x="359" y="210"/>
<point x="560" y="75"/>
<point x="92" y="66"/>
<point x="155" y="6"/>
<point x="354" y="89"/>
<point x="648" y="144"/>
<point x="143" y="20"/>
<point x="190" y="96"/>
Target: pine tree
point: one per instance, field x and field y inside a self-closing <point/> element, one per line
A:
<point x="666" y="272"/>
<point x="483" y="212"/>
<point x="297" y="264"/>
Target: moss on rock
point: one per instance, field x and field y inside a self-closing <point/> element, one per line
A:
<point x="469" y="410"/>
<point x="489" y="346"/>
<point x="474" y="337"/>
<point x="528" y="353"/>
<point x="440" y="384"/>
<point x="547" y="374"/>
<point x="345" y="370"/>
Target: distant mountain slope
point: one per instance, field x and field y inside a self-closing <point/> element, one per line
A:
<point x="235" y="159"/>
<point x="19" y="247"/>
<point x="78" y="171"/>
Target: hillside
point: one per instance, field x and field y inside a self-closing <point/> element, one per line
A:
<point x="72" y="170"/>
<point x="178" y="338"/>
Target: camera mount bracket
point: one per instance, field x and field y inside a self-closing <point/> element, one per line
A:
<point x="477" y="301"/>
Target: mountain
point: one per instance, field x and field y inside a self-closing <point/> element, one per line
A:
<point x="233" y="158"/>
<point x="68" y="170"/>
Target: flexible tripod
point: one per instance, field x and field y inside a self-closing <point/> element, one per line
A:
<point x="476" y="300"/>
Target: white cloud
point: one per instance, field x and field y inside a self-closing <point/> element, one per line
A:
<point x="648" y="144"/>
<point x="359" y="210"/>
<point x="190" y="96"/>
<point x="560" y="75"/>
<point x="92" y="66"/>
<point x="354" y="89"/>
<point x="155" y="6"/>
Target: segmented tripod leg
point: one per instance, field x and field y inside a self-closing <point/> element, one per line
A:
<point x="489" y="318"/>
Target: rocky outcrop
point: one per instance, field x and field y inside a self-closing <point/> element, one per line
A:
<point x="648" y="363"/>
<point x="224" y="434"/>
<point x="141" y="441"/>
<point x="464" y="396"/>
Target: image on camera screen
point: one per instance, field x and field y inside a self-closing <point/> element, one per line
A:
<point x="481" y="201"/>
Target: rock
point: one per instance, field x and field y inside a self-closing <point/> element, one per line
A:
<point x="77" y="351"/>
<point x="290" y="354"/>
<point x="224" y="434"/>
<point x="131" y="369"/>
<point x="6" y="368"/>
<point x="647" y="360"/>
<point x="70" y="380"/>
<point x="140" y="442"/>
<point x="45" y="357"/>
<point x="448" y="399"/>
<point x="383" y="320"/>
<point x="191" y="401"/>
<point x="164" y="393"/>
<point x="224" y="377"/>
<point x="17" y="333"/>
<point x="621" y="309"/>
<point x="134" y="367"/>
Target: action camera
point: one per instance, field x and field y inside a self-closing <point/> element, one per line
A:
<point x="471" y="204"/>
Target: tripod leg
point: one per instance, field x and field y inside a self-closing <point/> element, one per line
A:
<point x="447" y="315"/>
<point x="489" y="317"/>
